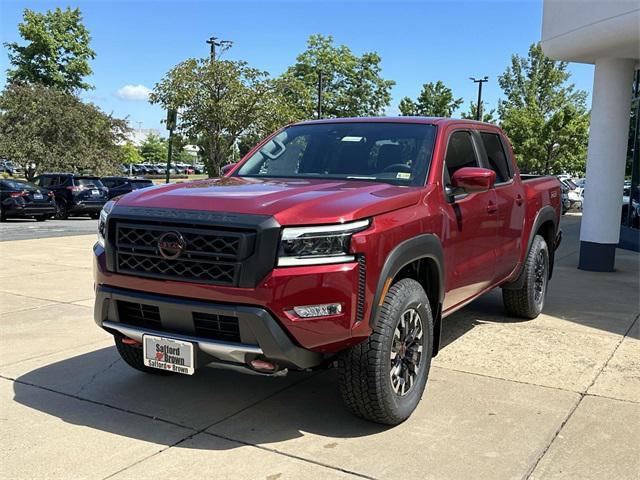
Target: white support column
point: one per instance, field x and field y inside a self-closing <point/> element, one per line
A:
<point x="608" y="135"/>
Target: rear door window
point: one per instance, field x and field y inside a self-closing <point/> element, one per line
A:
<point x="496" y="157"/>
<point x="460" y="154"/>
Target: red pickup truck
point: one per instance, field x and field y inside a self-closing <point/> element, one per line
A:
<point x="340" y="242"/>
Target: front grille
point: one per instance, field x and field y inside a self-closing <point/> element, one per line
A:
<point x="139" y="315"/>
<point x="216" y="327"/>
<point x="209" y="255"/>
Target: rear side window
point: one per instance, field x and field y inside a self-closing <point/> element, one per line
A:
<point x="496" y="157"/>
<point x="460" y="154"/>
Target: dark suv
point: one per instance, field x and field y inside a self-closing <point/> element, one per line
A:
<point x="121" y="185"/>
<point x="75" y="194"/>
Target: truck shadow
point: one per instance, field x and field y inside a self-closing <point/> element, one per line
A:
<point x="101" y="392"/>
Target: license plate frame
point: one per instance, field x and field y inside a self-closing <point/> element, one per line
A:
<point x="95" y="193"/>
<point x="169" y="354"/>
<point x="38" y="196"/>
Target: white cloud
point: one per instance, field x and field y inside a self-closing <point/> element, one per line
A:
<point x="133" y="92"/>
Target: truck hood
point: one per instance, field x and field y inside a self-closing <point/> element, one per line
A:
<point x="290" y="201"/>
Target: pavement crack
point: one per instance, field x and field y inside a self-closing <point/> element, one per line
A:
<point x="96" y="375"/>
<point x="584" y="394"/>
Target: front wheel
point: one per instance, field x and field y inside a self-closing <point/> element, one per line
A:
<point x="528" y="300"/>
<point x="94" y="215"/>
<point x="382" y="379"/>
<point x="41" y="218"/>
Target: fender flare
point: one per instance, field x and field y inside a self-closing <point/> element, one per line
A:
<point x="416" y="248"/>
<point x="546" y="214"/>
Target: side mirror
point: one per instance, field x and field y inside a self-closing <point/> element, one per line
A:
<point x="473" y="179"/>
<point x="227" y="168"/>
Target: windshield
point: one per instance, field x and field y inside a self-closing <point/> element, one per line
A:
<point x="398" y="153"/>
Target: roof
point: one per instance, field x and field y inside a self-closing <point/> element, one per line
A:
<point x="424" y="120"/>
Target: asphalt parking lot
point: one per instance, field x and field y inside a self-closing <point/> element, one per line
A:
<point x="26" y="228"/>
<point x="556" y="397"/>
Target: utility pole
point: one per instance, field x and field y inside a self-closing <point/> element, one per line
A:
<point x="216" y="42"/>
<point x="319" y="94"/>
<point x="479" y="81"/>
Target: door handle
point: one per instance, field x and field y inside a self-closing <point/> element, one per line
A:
<point x="519" y="200"/>
<point x="492" y="207"/>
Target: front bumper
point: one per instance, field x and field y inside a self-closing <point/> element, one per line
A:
<point x="259" y="334"/>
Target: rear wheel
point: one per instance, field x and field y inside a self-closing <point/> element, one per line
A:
<point x="132" y="355"/>
<point x="62" y="212"/>
<point x="528" y="300"/>
<point x="95" y="215"/>
<point x="383" y="378"/>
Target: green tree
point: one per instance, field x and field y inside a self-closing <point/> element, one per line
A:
<point x="544" y="116"/>
<point x="57" y="51"/>
<point x="54" y="131"/>
<point x="487" y="116"/>
<point x="221" y="101"/>
<point x="435" y="100"/>
<point x="154" y="149"/>
<point x="130" y="154"/>
<point x="352" y="85"/>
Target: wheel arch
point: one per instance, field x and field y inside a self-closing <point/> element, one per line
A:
<point x="420" y="258"/>
<point x="544" y="224"/>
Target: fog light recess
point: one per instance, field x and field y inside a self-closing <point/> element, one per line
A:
<point x="324" y="310"/>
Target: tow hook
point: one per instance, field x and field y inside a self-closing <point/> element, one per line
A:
<point x="265" y="366"/>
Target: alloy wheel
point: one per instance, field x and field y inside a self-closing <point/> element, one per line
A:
<point x="406" y="352"/>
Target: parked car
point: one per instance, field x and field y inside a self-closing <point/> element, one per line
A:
<point x="345" y="240"/>
<point x="9" y="167"/>
<point x="75" y="194"/>
<point x="19" y="199"/>
<point x="120" y="185"/>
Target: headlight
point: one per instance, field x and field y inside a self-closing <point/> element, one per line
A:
<point x="318" y="245"/>
<point x="102" y="222"/>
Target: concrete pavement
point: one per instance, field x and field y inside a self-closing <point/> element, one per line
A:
<point x="27" y="228"/>
<point x="556" y="397"/>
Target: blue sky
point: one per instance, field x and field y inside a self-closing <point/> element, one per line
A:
<point x="137" y="42"/>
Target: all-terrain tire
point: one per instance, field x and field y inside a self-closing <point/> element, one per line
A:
<point x="528" y="300"/>
<point x="132" y="355"/>
<point x="365" y="370"/>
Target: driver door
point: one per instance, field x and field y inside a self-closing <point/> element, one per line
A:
<point x="470" y="227"/>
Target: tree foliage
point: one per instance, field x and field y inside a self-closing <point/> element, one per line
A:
<point x="352" y="86"/>
<point x="154" y="149"/>
<point x="435" y="100"/>
<point x="55" y="131"/>
<point x="220" y="102"/>
<point x="487" y="116"/>
<point x="57" y="51"/>
<point x="130" y="154"/>
<point x="543" y="115"/>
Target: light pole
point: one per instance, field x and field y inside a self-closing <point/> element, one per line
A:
<point x="172" y="117"/>
<point x="479" y="81"/>
<point x="319" y="94"/>
<point x="216" y="42"/>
